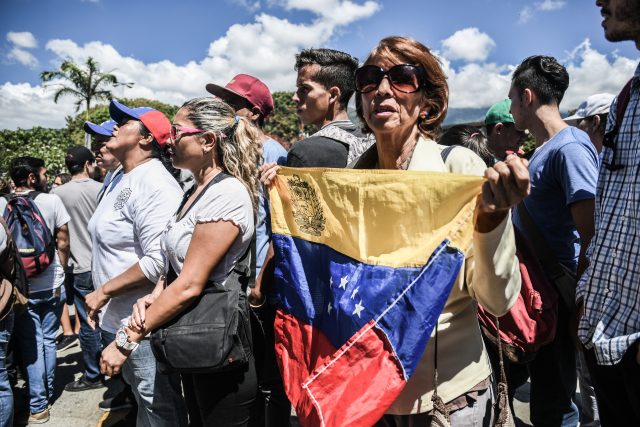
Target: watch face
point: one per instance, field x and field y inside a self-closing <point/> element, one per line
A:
<point x="121" y="338"/>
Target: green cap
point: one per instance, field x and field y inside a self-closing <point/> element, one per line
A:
<point x="499" y="113"/>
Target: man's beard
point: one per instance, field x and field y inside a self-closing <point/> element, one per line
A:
<point x="41" y="186"/>
<point x="628" y="17"/>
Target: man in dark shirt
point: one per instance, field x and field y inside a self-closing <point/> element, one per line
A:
<point x="324" y="84"/>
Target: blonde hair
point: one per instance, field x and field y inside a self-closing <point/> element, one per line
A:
<point x="239" y="149"/>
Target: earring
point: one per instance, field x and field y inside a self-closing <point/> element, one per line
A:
<point x="423" y="115"/>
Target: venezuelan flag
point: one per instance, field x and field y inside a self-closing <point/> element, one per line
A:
<point x="365" y="261"/>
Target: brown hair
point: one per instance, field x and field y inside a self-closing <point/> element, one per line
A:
<point x="435" y="91"/>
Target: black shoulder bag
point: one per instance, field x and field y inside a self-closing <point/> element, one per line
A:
<point x="213" y="334"/>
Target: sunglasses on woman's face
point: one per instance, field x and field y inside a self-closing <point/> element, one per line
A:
<point x="177" y="131"/>
<point x="404" y="78"/>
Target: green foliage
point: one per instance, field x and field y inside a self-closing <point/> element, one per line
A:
<point x="100" y="113"/>
<point x="529" y="145"/>
<point x="283" y="123"/>
<point x="51" y="144"/>
<point x="47" y="144"/>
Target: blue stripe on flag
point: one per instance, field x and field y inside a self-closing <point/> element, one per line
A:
<point x="339" y="295"/>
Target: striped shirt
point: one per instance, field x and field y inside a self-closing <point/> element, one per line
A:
<point x="610" y="288"/>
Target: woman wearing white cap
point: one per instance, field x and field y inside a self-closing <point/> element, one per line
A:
<point x="126" y="259"/>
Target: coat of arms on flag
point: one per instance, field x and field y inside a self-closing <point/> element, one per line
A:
<point x="365" y="261"/>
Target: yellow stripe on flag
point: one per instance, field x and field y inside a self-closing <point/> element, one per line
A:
<point x="381" y="217"/>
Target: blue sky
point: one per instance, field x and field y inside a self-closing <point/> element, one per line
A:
<point x="171" y="49"/>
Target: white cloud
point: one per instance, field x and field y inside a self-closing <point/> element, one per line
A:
<point x="250" y="5"/>
<point x="22" y="56"/>
<point x="528" y="12"/>
<point x="479" y="85"/>
<point x="23" y="39"/>
<point x="26" y="106"/>
<point x="587" y="66"/>
<point x="551" y="5"/>
<point x="469" y="44"/>
<point x="265" y="48"/>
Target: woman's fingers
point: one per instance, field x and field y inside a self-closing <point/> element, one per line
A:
<point x="268" y="172"/>
<point x="507" y="184"/>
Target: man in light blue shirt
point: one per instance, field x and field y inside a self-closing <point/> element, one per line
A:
<point x="564" y="171"/>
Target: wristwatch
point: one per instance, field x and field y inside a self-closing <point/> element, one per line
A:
<point x="122" y="340"/>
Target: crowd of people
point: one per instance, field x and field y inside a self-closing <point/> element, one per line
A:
<point x="163" y="221"/>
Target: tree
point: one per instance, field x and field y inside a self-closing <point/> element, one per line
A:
<point x="86" y="83"/>
<point x="49" y="145"/>
<point x="283" y="122"/>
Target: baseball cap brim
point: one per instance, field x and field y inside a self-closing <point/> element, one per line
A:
<point x="94" y="129"/>
<point x="118" y="112"/>
<point x="573" y="119"/>
<point x="225" y="93"/>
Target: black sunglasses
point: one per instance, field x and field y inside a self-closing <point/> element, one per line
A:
<point x="405" y="78"/>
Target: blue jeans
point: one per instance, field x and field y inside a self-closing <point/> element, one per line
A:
<point x="6" y="395"/>
<point x="89" y="338"/>
<point x="35" y="332"/>
<point x="159" y="396"/>
<point x="553" y="378"/>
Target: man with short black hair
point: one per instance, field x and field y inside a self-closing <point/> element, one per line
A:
<point x="35" y="330"/>
<point x="609" y="292"/>
<point x="563" y="173"/>
<point x="502" y="136"/>
<point x="80" y="198"/>
<point x="325" y="83"/>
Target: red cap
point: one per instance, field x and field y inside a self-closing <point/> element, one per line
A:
<point x="247" y="87"/>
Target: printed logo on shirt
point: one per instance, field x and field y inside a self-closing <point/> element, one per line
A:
<point x="122" y="199"/>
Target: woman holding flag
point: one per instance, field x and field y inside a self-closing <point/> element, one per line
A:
<point x="402" y="98"/>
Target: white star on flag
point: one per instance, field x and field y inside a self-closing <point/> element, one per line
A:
<point x="353" y="294"/>
<point x="358" y="309"/>
<point x="343" y="282"/>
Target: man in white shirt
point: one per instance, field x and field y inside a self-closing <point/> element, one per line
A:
<point x="35" y="330"/>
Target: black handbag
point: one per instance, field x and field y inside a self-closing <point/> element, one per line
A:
<point x="213" y="334"/>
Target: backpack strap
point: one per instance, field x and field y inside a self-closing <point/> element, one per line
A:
<point x="216" y="179"/>
<point x="544" y="252"/>
<point x="610" y="137"/>
<point x="445" y="153"/>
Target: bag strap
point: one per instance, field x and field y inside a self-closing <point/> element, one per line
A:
<point x="544" y="252"/>
<point x="621" y="106"/>
<point x="440" y="415"/>
<point x="445" y="153"/>
<point x="216" y="179"/>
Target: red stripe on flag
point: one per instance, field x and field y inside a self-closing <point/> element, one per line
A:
<point x="351" y="386"/>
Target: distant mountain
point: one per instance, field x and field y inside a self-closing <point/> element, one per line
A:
<point x="464" y="115"/>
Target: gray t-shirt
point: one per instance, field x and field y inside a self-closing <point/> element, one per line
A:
<point x="79" y="197"/>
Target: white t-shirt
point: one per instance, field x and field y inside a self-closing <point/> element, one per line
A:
<point x="126" y="228"/>
<point x="55" y="216"/>
<point x="227" y="200"/>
